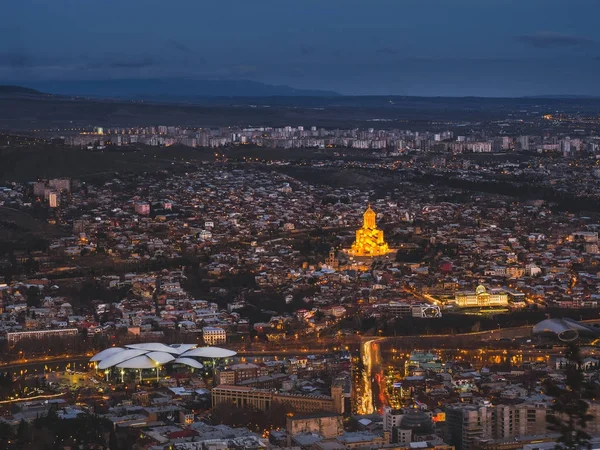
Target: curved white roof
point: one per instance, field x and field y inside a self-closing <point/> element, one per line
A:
<point x="106" y="353"/>
<point x="565" y="329"/>
<point x="182" y="348"/>
<point x="151" y="354"/>
<point x="176" y="349"/>
<point x="118" y="358"/>
<point x="210" y="352"/>
<point x="150" y="346"/>
<point x="158" y="347"/>
<point x="189" y="362"/>
<point x="139" y="362"/>
<point x="160" y="357"/>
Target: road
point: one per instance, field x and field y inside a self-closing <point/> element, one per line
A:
<point x="368" y="355"/>
<point x="322" y="346"/>
<point x="45" y="365"/>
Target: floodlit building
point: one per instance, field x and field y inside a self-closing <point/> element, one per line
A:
<point x="142" y="208"/>
<point x="481" y="297"/>
<point x="369" y="240"/>
<point x="149" y="358"/>
<point x="53" y="200"/>
<point x="214" y="335"/>
<point x="14" y="337"/>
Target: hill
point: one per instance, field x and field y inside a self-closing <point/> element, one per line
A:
<point x="50" y="161"/>
<point x="8" y="89"/>
<point x="27" y="111"/>
<point x="169" y="89"/>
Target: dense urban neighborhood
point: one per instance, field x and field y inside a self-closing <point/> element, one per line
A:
<point x="304" y="288"/>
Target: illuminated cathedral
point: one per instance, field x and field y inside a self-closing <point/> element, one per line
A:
<point x="369" y="240"/>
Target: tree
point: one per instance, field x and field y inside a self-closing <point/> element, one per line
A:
<point x="113" y="443"/>
<point x="6" y="434"/>
<point x="33" y="297"/>
<point x="569" y="411"/>
<point x="23" y="432"/>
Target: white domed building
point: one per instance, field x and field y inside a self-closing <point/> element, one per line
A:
<point x="150" y="357"/>
<point x="565" y="330"/>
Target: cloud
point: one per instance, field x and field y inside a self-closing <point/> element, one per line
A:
<point x="244" y="69"/>
<point x="464" y="60"/>
<point x="388" y="51"/>
<point x="549" y="39"/>
<point x="305" y="51"/>
<point x="187" y="54"/>
<point x="132" y="63"/>
<point x="16" y="60"/>
<point x="179" y="46"/>
<point x="19" y="63"/>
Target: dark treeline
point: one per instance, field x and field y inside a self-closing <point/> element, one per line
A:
<point x="254" y="419"/>
<point x="562" y="201"/>
<point x="77" y="344"/>
<point x="385" y="181"/>
<point x="50" y="432"/>
<point x="139" y="266"/>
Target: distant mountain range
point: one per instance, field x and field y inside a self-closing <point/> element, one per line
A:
<point x="232" y="92"/>
<point x="227" y="103"/>
<point x="170" y="89"/>
<point x="8" y="89"/>
<point x="68" y="96"/>
<point x="561" y="97"/>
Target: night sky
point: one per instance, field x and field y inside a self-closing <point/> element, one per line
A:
<point x="403" y="47"/>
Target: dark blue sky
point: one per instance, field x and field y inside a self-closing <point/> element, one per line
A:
<point x="404" y="47"/>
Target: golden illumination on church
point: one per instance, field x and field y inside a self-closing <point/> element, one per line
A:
<point x="369" y="240"/>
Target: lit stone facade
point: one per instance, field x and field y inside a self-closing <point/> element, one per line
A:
<point x="369" y="240"/>
<point x="481" y="297"/>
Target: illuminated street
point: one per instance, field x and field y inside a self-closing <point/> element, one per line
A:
<point x="373" y="390"/>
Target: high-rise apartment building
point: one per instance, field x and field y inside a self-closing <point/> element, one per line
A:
<point x="60" y="184"/>
<point x="524" y="419"/>
<point x="466" y="424"/>
<point x="470" y="425"/>
<point x="53" y="199"/>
